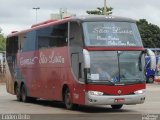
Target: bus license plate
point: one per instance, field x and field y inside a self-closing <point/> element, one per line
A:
<point x="119" y="100"/>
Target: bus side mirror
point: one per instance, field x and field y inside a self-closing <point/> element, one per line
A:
<point x="152" y="56"/>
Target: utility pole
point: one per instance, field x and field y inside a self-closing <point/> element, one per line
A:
<point x="36" y="8"/>
<point x="105" y="7"/>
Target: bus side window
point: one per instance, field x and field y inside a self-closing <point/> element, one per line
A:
<point x="43" y="42"/>
<point x="52" y="36"/>
<point x="29" y="41"/>
<point x="21" y="38"/>
<point x="12" y="49"/>
<point x="59" y="34"/>
<point x="12" y="45"/>
<point x="44" y="37"/>
<point x="75" y="35"/>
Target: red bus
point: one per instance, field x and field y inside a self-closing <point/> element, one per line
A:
<point x="87" y="60"/>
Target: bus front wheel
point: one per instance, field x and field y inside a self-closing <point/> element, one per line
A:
<point x="67" y="100"/>
<point x="116" y="106"/>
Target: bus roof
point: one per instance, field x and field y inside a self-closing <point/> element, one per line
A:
<point x="103" y="18"/>
<point x="153" y="48"/>
<point x="87" y="18"/>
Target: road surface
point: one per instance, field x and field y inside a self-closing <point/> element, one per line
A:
<point x="43" y="109"/>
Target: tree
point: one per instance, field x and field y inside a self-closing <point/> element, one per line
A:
<point x="100" y="11"/>
<point x="150" y="33"/>
<point x="2" y="42"/>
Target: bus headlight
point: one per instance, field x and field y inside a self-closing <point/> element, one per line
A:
<point x="140" y="91"/>
<point x="97" y="93"/>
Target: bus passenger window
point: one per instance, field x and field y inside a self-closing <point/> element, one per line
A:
<point x="75" y="35"/>
<point x="21" y="39"/>
<point x="43" y="42"/>
<point x="29" y="41"/>
<point x="12" y="50"/>
<point x="52" y="36"/>
<point x="44" y="37"/>
<point x="60" y="36"/>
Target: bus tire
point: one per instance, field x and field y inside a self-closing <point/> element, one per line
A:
<point x="25" y="98"/>
<point x="18" y="93"/>
<point x="150" y="79"/>
<point x="67" y="100"/>
<point x="116" y="106"/>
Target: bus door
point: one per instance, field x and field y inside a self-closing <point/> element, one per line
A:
<point x="77" y="64"/>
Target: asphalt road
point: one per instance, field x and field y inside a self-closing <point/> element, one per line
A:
<point x="46" y="110"/>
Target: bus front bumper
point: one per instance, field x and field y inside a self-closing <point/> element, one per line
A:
<point x="114" y="100"/>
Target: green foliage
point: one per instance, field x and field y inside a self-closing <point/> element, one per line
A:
<point x="2" y="42"/>
<point x="150" y="34"/>
<point x="100" y="11"/>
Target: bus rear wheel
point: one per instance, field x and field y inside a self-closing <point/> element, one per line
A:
<point x="18" y="93"/>
<point x="67" y="100"/>
<point x="116" y="106"/>
<point x="25" y="98"/>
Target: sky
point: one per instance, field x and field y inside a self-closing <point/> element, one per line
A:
<point x="16" y="15"/>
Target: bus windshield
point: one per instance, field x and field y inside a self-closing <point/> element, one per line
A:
<point x="116" y="67"/>
<point x="111" y="34"/>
